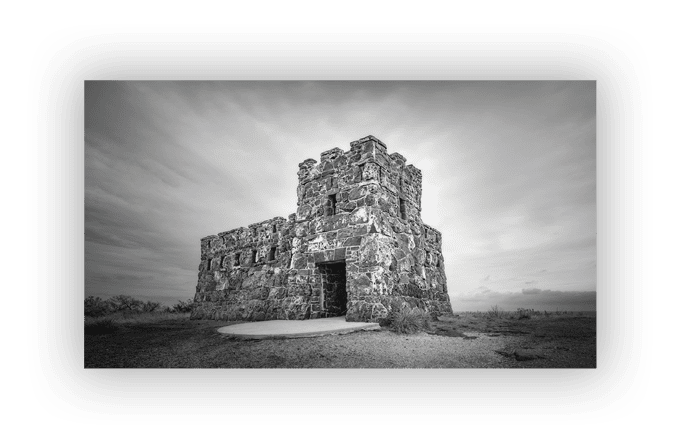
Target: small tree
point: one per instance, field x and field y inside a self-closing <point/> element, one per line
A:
<point x="182" y="307"/>
<point x="126" y="303"/>
<point x="96" y="307"/>
<point x="150" y="306"/>
<point x="495" y="312"/>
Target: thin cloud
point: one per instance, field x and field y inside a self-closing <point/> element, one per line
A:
<point x="531" y="291"/>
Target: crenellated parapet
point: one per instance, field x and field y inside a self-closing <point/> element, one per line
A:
<point x="364" y="175"/>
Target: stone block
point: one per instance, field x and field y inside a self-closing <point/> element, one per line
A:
<point x="348" y="206"/>
<point x="355" y="240"/>
<point x="339" y="254"/>
<point x="359" y="216"/>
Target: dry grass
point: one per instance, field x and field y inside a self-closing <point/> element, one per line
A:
<point x="408" y="320"/>
<point x="99" y="326"/>
<point x="127" y="318"/>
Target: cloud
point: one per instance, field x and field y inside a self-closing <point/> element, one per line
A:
<point x="531" y="291"/>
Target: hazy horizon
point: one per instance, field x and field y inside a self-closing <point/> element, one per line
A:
<point x="509" y="177"/>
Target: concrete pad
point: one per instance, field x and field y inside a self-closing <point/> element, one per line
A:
<point x="296" y="328"/>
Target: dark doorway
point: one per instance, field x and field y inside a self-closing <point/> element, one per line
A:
<point x="334" y="295"/>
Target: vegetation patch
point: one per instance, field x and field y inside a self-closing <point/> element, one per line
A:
<point x="95" y="306"/>
<point x="408" y="320"/>
<point x="100" y="326"/>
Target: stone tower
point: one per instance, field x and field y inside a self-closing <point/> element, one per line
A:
<point x="356" y="246"/>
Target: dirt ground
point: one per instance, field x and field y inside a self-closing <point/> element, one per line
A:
<point x="464" y="340"/>
<point x="540" y="340"/>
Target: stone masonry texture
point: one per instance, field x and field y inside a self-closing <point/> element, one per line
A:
<point x="355" y="246"/>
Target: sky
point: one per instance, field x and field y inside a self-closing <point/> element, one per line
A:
<point x="509" y="177"/>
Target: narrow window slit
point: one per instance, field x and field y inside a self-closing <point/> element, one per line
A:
<point x="254" y="253"/>
<point x="273" y="252"/>
<point x="332" y="205"/>
<point x="237" y="259"/>
<point x="403" y="212"/>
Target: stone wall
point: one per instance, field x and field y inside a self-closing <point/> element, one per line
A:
<point x="359" y="210"/>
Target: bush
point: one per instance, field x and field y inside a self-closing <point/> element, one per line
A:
<point x="96" y="307"/>
<point x="523" y="314"/>
<point x="182" y="307"/>
<point x="495" y="312"/>
<point x="407" y="320"/>
<point x="100" y="326"/>
<point x="106" y="316"/>
<point x="150" y="306"/>
<point x="125" y="303"/>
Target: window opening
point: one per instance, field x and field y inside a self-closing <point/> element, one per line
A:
<point x="403" y="212"/>
<point x="274" y="228"/>
<point x="254" y="253"/>
<point x="332" y="205"/>
<point x="273" y="252"/>
<point x="237" y="259"/>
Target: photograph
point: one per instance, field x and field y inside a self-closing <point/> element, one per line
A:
<point x="340" y="224"/>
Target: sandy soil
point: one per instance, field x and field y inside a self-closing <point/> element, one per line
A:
<point x="467" y="340"/>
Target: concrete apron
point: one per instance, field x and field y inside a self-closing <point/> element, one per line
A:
<point x="296" y="328"/>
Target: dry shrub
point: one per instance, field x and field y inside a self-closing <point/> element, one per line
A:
<point x="99" y="326"/>
<point x="495" y="312"/>
<point x="408" y="320"/>
<point x="523" y="314"/>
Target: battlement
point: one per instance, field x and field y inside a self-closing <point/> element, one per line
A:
<point x="343" y="180"/>
<point x="368" y="142"/>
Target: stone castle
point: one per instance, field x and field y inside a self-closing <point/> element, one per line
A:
<point x="356" y="246"/>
